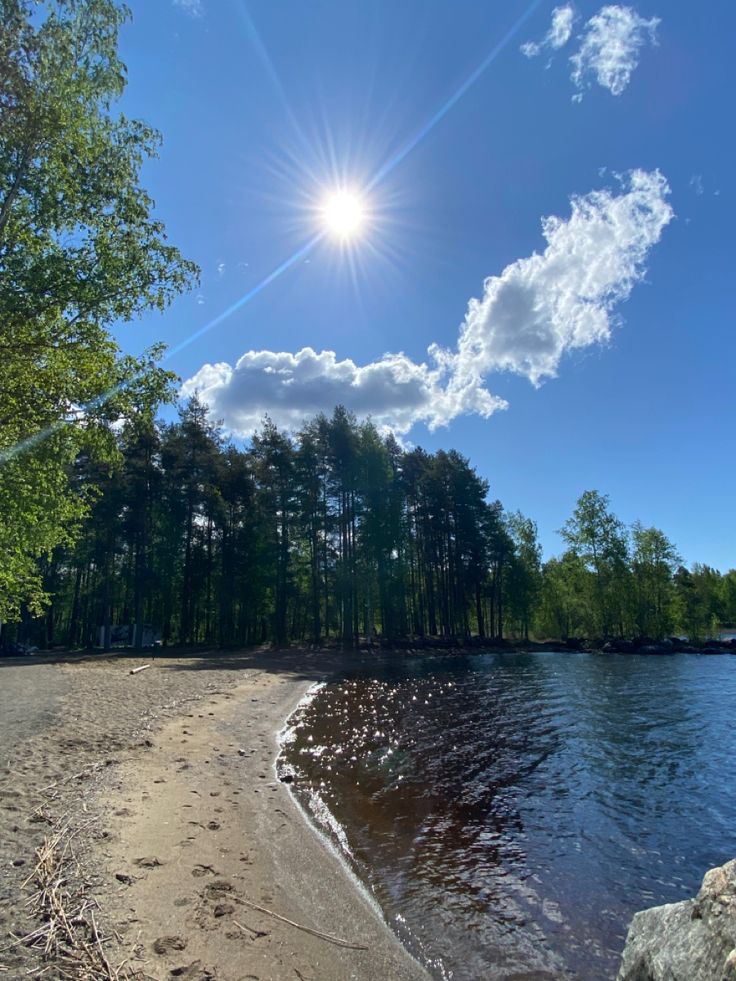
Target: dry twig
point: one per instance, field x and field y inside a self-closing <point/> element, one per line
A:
<point x="68" y="937"/>
<point x="315" y="933"/>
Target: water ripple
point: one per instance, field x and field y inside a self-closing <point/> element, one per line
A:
<point x="511" y="812"/>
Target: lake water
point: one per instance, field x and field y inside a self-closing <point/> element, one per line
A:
<point x="511" y="812"/>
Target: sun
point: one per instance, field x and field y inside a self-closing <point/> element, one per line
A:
<point x="344" y="215"/>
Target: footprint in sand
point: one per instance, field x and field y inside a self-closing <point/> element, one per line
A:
<point x="148" y="862"/>
<point x="192" y="972"/>
<point x="200" y="870"/>
<point x="217" y="891"/>
<point x="165" y="945"/>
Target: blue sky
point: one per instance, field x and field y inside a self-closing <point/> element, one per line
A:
<point x="610" y="341"/>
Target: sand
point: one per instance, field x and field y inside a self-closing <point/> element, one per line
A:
<point x="166" y="781"/>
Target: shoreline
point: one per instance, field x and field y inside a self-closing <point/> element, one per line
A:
<point x="192" y="827"/>
<point x="167" y="782"/>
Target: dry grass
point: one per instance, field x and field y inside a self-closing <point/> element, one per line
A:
<point x="68" y="939"/>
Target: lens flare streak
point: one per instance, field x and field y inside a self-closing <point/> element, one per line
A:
<point x="308" y="246"/>
<point x="453" y="100"/>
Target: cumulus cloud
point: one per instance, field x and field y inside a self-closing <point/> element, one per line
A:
<point x="529" y="316"/>
<point x="193" y="8"/>
<point x="394" y="390"/>
<point x="609" y="48"/>
<point x="558" y="34"/>
<point x="563" y="299"/>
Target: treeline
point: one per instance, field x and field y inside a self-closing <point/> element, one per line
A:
<point x="336" y="534"/>
<point x="341" y="534"/>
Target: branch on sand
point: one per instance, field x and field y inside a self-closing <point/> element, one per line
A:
<point x="315" y="933"/>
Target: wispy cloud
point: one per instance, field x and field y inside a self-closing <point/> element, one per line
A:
<point x="609" y="48"/>
<point x="610" y="43"/>
<point x="558" y="34"/>
<point x="194" y="8"/>
<point x="696" y="183"/>
<point x="538" y="308"/>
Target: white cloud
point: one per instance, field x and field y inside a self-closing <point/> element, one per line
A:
<point x="529" y="316"/>
<point x="544" y="305"/>
<point x="394" y="390"/>
<point x="194" y="8"/>
<point x="558" y="34"/>
<point x="610" y="46"/>
<point x="696" y="183"/>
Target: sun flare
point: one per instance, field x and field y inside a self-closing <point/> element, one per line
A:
<point x="343" y="214"/>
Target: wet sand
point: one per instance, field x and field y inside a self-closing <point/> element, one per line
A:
<point x="181" y="825"/>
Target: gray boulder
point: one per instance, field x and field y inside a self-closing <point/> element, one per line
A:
<point x="690" y="941"/>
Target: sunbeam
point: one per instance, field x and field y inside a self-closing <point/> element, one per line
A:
<point x="247" y="297"/>
<point x="343" y="215"/>
<point x="38" y="437"/>
<point x="407" y="148"/>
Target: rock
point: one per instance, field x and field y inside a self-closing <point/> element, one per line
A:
<point x="729" y="968"/>
<point x="663" y="648"/>
<point x="619" y="646"/>
<point x="690" y="941"/>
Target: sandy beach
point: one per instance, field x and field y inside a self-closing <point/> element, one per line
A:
<point x="179" y="852"/>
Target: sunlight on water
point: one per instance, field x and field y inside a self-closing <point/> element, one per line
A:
<point x="511" y="812"/>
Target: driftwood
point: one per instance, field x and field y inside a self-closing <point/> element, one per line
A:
<point x="299" y="926"/>
<point x="141" y="668"/>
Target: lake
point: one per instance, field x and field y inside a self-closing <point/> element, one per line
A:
<point x="510" y="812"/>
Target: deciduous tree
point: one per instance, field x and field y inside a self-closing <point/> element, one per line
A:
<point x="80" y="249"/>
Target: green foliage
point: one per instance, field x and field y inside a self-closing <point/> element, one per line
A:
<point x="524" y="581"/>
<point x="599" y="539"/>
<point x="703" y="600"/>
<point x="338" y="533"/>
<point x="80" y="249"/>
<point x="653" y="563"/>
